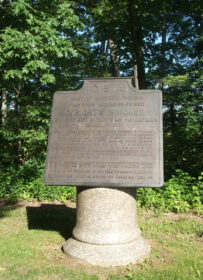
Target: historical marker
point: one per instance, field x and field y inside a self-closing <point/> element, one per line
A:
<point x="105" y="138"/>
<point x="106" y="134"/>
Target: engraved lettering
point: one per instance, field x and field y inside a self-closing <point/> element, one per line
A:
<point x="105" y="134"/>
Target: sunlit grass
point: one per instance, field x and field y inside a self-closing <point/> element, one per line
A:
<point x="31" y="238"/>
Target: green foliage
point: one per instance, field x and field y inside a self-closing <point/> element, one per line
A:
<point x="37" y="189"/>
<point x="35" y="41"/>
<point x="50" y="45"/>
<point x="179" y="194"/>
<point x="26" y="182"/>
<point x="39" y="47"/>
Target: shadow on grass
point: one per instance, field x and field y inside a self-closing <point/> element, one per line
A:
<point x="52" y="217"/>
<point x="6" y="206"/>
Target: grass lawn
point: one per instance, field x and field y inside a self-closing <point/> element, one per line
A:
<point x="32" y="233"/>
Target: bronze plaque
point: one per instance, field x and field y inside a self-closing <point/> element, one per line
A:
<point x="106" y="134"/>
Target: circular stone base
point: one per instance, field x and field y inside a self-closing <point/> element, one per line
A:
<point x="108" y="255"/>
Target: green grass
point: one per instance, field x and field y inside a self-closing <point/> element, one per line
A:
<point x="31" y="237"/>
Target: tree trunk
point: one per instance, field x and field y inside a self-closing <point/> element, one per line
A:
<point x="3" y="108"/>
<point x="17" y="112"/>
<point x="163" y="51"/>
<point x="104" y="53"/>
<point x="3" y="102"/>
<point x="136" y="83"/>
<point x="172" y="117"/>
<point x="114" y="59"/>
<point x="138" y="44"/>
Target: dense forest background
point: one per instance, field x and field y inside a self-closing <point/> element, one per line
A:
<point x="52" y="45"/>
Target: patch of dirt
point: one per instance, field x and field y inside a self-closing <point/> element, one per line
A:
<point x="58" y="257"/>
<point x="54" y="254"/>
<point x="175" y="217"/>
<point x="144" y="215"/>
<point x="159" y="254"/>
<point x="195" y="237"/>
<point x="5" y="204"/>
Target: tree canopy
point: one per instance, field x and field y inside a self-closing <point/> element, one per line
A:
<point x="51" y="45"/>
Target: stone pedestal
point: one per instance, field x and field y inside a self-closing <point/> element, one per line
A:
<point x="106" y="232"/>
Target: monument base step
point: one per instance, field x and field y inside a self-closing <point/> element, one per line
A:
<point x="108" y="255"/>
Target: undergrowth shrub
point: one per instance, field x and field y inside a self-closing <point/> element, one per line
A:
<point x="181" y="193"/>
<point x="16" y="184"/>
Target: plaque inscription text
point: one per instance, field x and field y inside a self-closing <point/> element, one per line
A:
<point x="106" y="134"/>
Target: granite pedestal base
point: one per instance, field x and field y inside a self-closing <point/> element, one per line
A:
<point x="106" y="231"/>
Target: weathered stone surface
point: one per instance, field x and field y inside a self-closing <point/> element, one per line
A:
<point x="106" y="134"/>
<point x="108" y="255"/>
<point x="106" y="232"/>
<point x="106" y="216"/>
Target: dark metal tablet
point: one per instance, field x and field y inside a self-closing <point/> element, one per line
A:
<point x="106" y="134"/>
